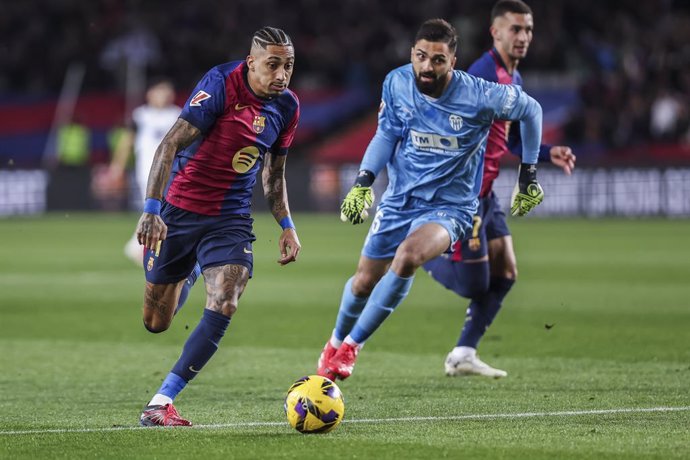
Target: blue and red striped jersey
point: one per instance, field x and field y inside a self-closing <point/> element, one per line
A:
<point x="217" y="172"/>
<point x="490" y="67"/>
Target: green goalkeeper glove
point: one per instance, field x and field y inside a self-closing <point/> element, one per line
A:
<point x="356" y="203"/>
<point x="527" y="193"/>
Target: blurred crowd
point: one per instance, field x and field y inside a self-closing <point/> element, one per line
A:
<point x="629" y="60"/>
<point x="634" y="72"/>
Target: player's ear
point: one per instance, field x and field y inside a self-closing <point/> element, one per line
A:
<point x="452" y="63"/>
<point x="494" y="31"/>
<point x="250" y="62"/>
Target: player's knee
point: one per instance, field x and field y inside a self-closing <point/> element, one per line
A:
<point x="156" y="327"/>
<point x="510" y="273"/>
<point x="504" y="270"/>
<point x="224" y="307"/>
<point x="228" y="308"/>
<point x="408" y="259"/>
<point x="363" y="284"/>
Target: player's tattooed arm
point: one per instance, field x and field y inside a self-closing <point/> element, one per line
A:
<point x="151" y="229"/>
<point x="180" y="136"/>
<point x="275" y="191"/>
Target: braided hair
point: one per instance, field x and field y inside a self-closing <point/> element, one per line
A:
<point x="270" y="36"/>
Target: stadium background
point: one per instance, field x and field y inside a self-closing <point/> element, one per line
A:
<point x="612" y="77"/>
<point x="594" y="335"/>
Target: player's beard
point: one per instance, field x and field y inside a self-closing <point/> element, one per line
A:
<point x="430" y="88"/>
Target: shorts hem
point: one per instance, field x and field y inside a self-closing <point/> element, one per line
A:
<point x="249" y="266"/>
<point x="369" y="256"/>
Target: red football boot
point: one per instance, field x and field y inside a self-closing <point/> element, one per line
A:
<point x="326" y="354"/>
<point x="165" y="415"/>
<point x="343" y="362"/>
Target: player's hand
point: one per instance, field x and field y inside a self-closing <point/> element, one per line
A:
<point x="563" y="157"/>
<point x="527" y="193"/>
<point x="151" y="230"/>
<point x="356" y="203"/>
<point x="289" y="246"/>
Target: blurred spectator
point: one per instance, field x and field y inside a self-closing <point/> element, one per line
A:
<point x="631" y="57"/>
<point x="665" y="115"/>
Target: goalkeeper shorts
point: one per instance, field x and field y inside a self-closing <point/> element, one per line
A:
<point x="391" y="226"/>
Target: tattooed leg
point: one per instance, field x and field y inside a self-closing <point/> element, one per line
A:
<point x="224" y="286"/>
<point x="160" y="301"/>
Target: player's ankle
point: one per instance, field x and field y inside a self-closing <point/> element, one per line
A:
<point x="463" y="352"/>
<point x="335" y="342"/>
<point x="348" y="340"/>
<point x="160" y="400"/>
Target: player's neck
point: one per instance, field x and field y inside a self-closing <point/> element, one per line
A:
<point x="509" y="63"/>
<point x="254" y="87"/>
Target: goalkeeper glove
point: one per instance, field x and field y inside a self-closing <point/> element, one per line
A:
<point x="356" y="203"/>
<point x="527" y="193"/>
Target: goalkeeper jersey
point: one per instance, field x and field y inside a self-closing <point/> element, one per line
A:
<point x="438" y="159"/>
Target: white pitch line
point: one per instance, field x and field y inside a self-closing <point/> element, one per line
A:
<point x="448" y="418"/>
<point x="521" y="415"/>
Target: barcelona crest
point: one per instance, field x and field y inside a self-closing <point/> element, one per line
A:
<point x="149" y="265"/>
<point x="259" y="124"/>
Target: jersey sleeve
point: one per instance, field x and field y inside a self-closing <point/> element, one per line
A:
<point x="388" y="132"/>
<point x="207" y="101"/>
<point x="388" y="120"/>
<point x="515" y="144"/>
<point x="510" y="102"/>
<point x="287" y="135"/>
<point x="500" y="100"/>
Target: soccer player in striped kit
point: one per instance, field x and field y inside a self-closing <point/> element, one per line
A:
<point x="240" y="116"/>
<point x="482" y="267"/>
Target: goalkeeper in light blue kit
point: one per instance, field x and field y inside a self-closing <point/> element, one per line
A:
<point x="432" y="131"/>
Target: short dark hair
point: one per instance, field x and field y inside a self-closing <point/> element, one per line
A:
<point x="438" y="30"/>
<point x="271" y="36"/>
<point x="509" y="6"/>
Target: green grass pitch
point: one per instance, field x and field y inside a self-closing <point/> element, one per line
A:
<point x="77" y="364"/>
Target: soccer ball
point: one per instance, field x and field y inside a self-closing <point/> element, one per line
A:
<point x="314" y="404"/>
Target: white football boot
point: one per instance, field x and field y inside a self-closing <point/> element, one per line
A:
<point x="463" y="361"/>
